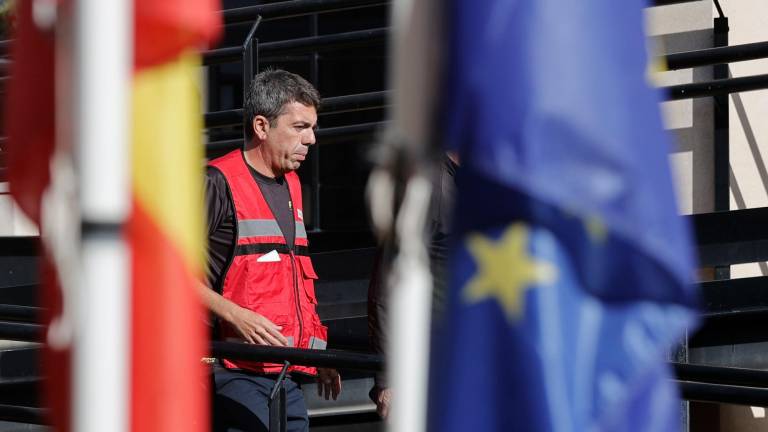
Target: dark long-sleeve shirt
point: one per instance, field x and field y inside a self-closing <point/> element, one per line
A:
<point x="439" y="230"/>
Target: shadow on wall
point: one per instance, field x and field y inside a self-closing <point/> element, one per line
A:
<point x="757" y="157"/>
<point x="692" y="129"/>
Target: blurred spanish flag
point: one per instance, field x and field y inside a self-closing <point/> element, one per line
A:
<point x="164" y="230"/>
<point x="30" y="129"/>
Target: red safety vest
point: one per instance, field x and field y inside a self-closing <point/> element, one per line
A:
<point x="265" y="276"/>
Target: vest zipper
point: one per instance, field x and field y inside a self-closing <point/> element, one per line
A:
<point x="296" y="297"/>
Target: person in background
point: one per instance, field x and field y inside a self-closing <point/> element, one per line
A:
<point x="260" y="284"/>
<point x="439" y="230"/>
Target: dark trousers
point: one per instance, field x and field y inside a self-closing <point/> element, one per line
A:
<point x="241" y="402"/>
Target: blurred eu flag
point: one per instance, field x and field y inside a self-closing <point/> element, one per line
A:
<point x="571" y="266"/>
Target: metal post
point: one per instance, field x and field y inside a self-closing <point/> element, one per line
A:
<point x="278" y="419"/>
<point x="250" y="66"/>
<point x="103" y="54"/>
<point x="722" y="145"/>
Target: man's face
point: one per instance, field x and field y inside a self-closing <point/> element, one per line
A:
<point x="288" y="139"/>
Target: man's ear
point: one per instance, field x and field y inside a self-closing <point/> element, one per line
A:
<point x="260" y="126"/>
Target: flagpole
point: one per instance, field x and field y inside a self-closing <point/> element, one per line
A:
<point x="415" y="77"/>
<point x="102" y="76"/>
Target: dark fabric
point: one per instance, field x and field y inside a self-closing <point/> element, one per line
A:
<point x="221" y="227"/>
<point x="439" y="229"/>
<point x="262" y="248"/>
<point x="441" y="221"/>
<point x="241" y="402"/>
<point x="221" y="218"/>
<point x="378" y="318"/>
<point x="275" y="191"/>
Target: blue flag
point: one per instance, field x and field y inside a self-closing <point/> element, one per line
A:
<point x="571" y="267"/>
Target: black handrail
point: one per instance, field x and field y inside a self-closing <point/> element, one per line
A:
<point x="690" y="391"/>
<point x="355" y="102"/>
<point x="304" y="357"/>
<point x="23" y="414"/>
<point x="324" y="135"/>
<point x="288" y="9"/>
<point x="222" y="55"/>
<point x="19" y="313"/>
<point x="697" y="382"/>
<point x="721" y="375"/>
<point x="712" y="56"/>
<point x="350" y="131"/>
<point x="307" y="357"/>
<point x="280" y="10"/>
<point x="324" y="42"/>
<point x="717" y="87"/>
<point x="21" y="331"/>
<point x="739" y="395"/>
<point x="670" y="2"/>
<point x="233" y="117"/>
<point x="732" y="237"/>
<point x="330" y="105"/>
<point x="351" y="360"/>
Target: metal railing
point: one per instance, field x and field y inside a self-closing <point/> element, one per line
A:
<point x="297" y="356"/>
<point x="717" y="87"/>
<point x="327" y="135"/>
<point x="289" y="9"/>
<point x="713" y="56"/>
<point x="698" y="382"/>
<point x="324" y="42"/>
<point x="23" y="414"/>
<point x="330" y="105"/>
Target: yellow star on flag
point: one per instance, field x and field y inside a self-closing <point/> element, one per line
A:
<point x="505" y="270"/>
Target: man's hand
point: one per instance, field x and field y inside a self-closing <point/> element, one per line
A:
<point x="252" y="327"/>
<point x="382" y="402"/>
<point x="255" y="328"/>
<point x="328" y="383"/>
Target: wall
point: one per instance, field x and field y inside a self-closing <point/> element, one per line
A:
<point x="685" y="27"/>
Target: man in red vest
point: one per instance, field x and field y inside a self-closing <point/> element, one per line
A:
<point x="260" y="275"/>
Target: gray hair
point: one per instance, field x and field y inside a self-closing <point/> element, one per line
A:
<point x="271" y="90"/>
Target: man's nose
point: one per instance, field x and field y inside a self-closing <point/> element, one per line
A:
<point x="309" y="137"/>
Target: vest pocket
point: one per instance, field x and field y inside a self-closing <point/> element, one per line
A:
<point x="308" y="271"/>
<point x="269" y="282"/>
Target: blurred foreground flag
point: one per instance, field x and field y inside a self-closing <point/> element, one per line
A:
<point x="571" y="267"/>
<point x="165" y="229"/>
<point x="37" y="165"/>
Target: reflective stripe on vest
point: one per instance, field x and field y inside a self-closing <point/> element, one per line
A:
<point x="266" y="228"/>
<point x="317" y="343"/>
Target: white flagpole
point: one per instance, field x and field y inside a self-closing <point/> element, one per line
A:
<point x="410" y="302"/>
<point x="415" y="78"/>
<point x="103" y="58"/>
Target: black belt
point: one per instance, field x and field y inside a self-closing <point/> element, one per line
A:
<point x="262" y="248"/>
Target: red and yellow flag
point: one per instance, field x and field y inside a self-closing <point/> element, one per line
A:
<point x="30" y="121"/>
<point x="29" y="111"/>
<point x="165" y="229"/>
